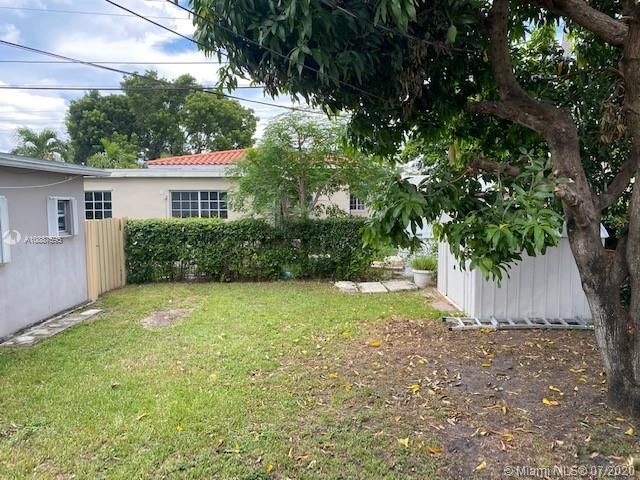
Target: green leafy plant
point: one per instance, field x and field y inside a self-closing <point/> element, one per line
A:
<point x="245" y="250"/>
<point x="429" y="264"/>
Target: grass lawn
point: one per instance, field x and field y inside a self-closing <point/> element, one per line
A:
<point x="244" y="386"/>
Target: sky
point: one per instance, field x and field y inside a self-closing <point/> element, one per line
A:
<point x="95" y="37"/>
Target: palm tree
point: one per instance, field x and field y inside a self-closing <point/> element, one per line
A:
<point x="45" y="145"/>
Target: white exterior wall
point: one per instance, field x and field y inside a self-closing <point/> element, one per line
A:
<point x="149" y="197"/>
<point x="546" y="286"/>
<point x="39" y="280"/>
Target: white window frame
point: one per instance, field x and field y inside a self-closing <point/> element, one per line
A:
<point x="103" y="211"/>
<point x="200" y="200"/>
<point x="52" y="213"/>
<point x="357" y="202"/>
<point x="5" y="248"/>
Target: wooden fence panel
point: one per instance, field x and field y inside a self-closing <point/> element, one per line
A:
<point x="106" y="269"/>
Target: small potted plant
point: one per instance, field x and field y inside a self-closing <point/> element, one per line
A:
<point x="423" y="268"/>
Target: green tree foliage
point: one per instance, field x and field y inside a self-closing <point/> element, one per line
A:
<point x="537" y="135"/>
<point x="300" y="160"/>
<point x="157" y="111"/>
<point x="168" y="117"/>
<point x="216" y="123"/>
<point x="118" y="152"/>
<point x="45" y="144"/>
<point x="94" y="117"/>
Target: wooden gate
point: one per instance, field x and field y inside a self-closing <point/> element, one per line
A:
<point x="106" y="269"/>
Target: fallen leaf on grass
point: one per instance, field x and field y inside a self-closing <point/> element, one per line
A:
<point x="481" y="466"/>
<point x="140" y="417"/>
<point x="486" y="364"/>
<point x="269" y="468"/>
<point x="434" y="450"/>
<point x="507" y="437"/>
<point x="375" y="343"/>
<point x="415" y="388"/>
<point x="550" y="403"/>
<point x="630" y="432"/>
<point x="404" y="442"/>
<point x="555" y="389"/>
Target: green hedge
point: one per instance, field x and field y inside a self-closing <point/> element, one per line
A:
<point x="210" y="249"/>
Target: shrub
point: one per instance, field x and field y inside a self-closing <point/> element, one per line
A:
<point x="242" y="250"/>
<point x="425" y="263"/>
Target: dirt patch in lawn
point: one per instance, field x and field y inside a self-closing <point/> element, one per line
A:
<point x="478" y="402"/>
<point x="164" y="318"/>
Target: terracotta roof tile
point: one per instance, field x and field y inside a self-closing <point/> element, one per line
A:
<point x="224" y="157"/>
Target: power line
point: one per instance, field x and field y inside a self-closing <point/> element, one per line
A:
<point x="83" y="12"/>
<point x="157" y="24"/>
<point x="249" y="40"/>
<point x="53" y="62"/>
<point x="137" y="75"/>
<point x="117" y="89"/>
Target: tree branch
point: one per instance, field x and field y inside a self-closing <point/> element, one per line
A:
<point x="618" y="185"/>
<point x="609" y="29"/>
<point x="480" y="163"/>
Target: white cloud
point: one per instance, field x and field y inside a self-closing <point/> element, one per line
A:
<point x="9" y="33"/>
<point x="95" y="38"/>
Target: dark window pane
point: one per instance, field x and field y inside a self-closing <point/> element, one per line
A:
<point x="204" y="195"/>
<point x="89" y="215"/>
<point x="98" y="215"/>
<point x="97" y="196"/>
<point x="223" y="214"/>
<point x="87" y="196"/>
<point x="194" y="195"/>
<point x="107" y="206"/>
<point x="98" y="206"/>
<point x="108" y="214"/>
<point x="107" y="196"/>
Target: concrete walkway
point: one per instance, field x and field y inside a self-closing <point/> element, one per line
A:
<point x="376" y="287"/>
<point x="48" y="328"/>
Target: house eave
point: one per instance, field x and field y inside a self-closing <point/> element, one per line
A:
<point x="28" y="163"/>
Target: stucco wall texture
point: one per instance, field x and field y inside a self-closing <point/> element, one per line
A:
<point x="41" y="279"/>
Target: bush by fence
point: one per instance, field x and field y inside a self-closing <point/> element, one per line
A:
<point x="209" y="249"/>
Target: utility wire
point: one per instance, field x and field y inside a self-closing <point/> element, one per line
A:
<point x="259" y="45"/>
<point x="116" y="89"/>
<point x="53" y="62"/>
<point x="137" y="75"/>
<point x="157" y="24"/>
<point x="82" y="12"/>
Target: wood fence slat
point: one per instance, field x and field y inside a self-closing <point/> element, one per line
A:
<point x="106" y="269"/>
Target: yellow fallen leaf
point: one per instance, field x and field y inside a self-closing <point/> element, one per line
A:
<point x="375" y="343"/>
<point x="415" y="388"/>
<point x="486" y="365"/>
<point x="487" y="330"/>
<point x="554" y="389"/>
<point x="507" y="437"/>
<point x="140" y="417"/>
<point x="621" y="419"/>
<point x="404" y="441"/>
<point x="179" y="428"/>
<point x="434" y="450"/>
<point x="549" y="402"/>
<point x="489" y="355"/>
<point x="630" y="432"/>
<point x="269" y="468"/>
<point x="332" y="375"/>
<point x="481" y="466"/>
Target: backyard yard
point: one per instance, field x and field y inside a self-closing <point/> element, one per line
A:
<point x="296" y="380"/>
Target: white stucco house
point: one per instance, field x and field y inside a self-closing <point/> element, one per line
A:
<point x="42" y="247"/>
<point x="185" y="186"/>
